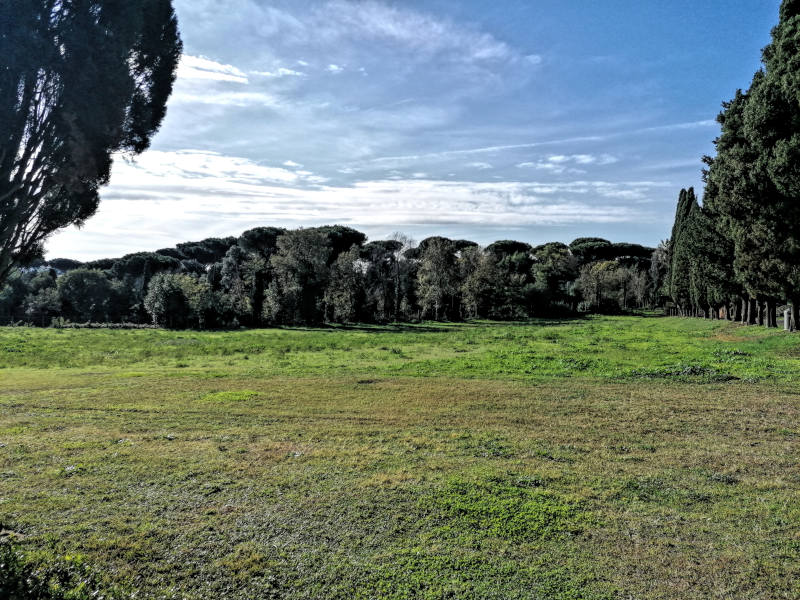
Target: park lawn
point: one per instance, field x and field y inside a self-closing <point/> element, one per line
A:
<point x="599" y="458"/>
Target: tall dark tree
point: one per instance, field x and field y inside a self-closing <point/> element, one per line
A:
<point x="553" y="270"/>
<point x="772" y="126"/>
<point x="300" y="268"/>
<point x="680" y="257"/>
<point x="79" y="81"/>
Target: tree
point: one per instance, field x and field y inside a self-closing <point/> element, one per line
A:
<point x="207" y="251"/>
<point x="598" y="280"/>
<point x="300" y="268"/>
<point x="380" y="258"/>
<point x="679" y="253"/>
<point x="85" y="294"/>
<point x="166" y="301"/>
<point x="236" y="288"/>
<point x="64" y="264"/>
<point x="340" y="239"/>
<point x="514" y="292"/>
<point x="344" y="295"/>
<point x="42" y="299"/>
<point x="437" y="276"/>
<point x="553" y="270"/>
<point x="771" y="125"/>
<point x="404" y="276"/>
<point x="199" y="297"/>
<point x="261" y="240"/>
<point x="479" y="276"/>
<point x="79" y="81"/>
<point x="589" y="249"/>
<point x="658" y="274"/>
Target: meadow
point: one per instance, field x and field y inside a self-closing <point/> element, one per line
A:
<point x="598" y="458"/>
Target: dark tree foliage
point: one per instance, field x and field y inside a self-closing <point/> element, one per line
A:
<point x="103" y="264"/>
<point x="192" y="267"/>
<point x="464" y="244"/>
<point x="554" y="269"/>
<point x="742" y="247"/>
<point x="589" y="249"/>
<point x="340" y="239"/>
<point x="300" y="269"/>
<point x="422" y="247"/>
<point x="631" y="255"/>
<point x="64" y="264"/>
<point x="207" y="251"/>
<point x="143" y="264"/>
<point x="680" y="258"/>
<point x="711" y="277"/>
<point x="79" y="81"/>
<point x="380" y="278"/>
<point x="377" y="282"/>
<point x="262" y="240"/>
<point x="772" y="126"/>
<point x="503" y="248"/>
<point x="172" y="252"/>
<point x="86" y="295"/>
<point x="437" y="278"/>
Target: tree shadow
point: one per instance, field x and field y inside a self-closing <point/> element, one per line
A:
<point x="437" y="326"/>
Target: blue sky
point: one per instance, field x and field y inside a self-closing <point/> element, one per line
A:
<point x="535" y="120"/>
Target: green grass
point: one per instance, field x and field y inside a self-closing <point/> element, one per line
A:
<point x="605" y="458"/>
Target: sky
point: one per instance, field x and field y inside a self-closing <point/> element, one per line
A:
<point x="534" y="120"/>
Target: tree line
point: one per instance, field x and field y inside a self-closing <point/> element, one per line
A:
<point x="737" y="255"/>
<point x="272" y="276"/>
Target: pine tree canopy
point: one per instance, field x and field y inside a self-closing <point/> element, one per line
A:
<point x="80" y="80"/>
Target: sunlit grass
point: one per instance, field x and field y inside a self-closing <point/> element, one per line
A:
<point x="597" y="458"/>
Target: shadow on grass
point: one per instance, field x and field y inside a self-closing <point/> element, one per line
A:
<point x="435" y="326"/>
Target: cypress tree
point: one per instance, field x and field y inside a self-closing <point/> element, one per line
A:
<point x="680" y="255"/>
<point x="772" y="126"/>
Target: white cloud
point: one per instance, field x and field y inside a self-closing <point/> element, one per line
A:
<point x="559" y="163"/>
<point x="679" y="126"/>
<point x="486" y="149"/>
<point x="534" y="59"/>
<point x="169" y="193"/>
<point x="203" y="96"/>
<point x="278" y="73"/>
<point x="291" y="163"/>
<point x="481" y="166"/>
<point x="200" y="67"/>
<point x="334" y="68"/>
<point x="415" y="30"/>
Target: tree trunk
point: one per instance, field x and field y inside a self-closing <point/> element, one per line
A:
<point x="760" y="313"/>
<point x="745" y="307"/>
<point x="771" y="316"/>
<point x="752" y="308"/>
<point x="794" y="311"/>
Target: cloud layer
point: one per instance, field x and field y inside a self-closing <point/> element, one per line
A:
<point x="393" y="115"/>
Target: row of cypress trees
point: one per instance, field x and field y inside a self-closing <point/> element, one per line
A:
<point x="738" y="255"/>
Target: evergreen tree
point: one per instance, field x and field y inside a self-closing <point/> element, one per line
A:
<point x="79" y="81"/>
<point x="680" y="258"/>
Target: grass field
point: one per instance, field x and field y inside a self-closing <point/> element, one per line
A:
<point x="603" y="458"/>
